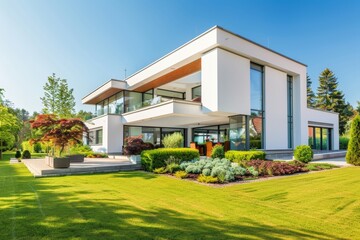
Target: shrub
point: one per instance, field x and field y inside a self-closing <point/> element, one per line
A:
<point x="343" y="142"/>
<point x="207" y="179"/>
<point x="218" y="152"/>
<point x="81" y="149"/>
<point x="172" y="167"/>
<point x="353" y="151"/>
<point x="135" y="145"/>
<point x="160" y="170"/>
<point x="96" y="155"/>
<point x="37" y="147"/>
<point x="174" y="140"/>
<point x="151" y="159"/>
<point x="303" y="153"/>
<point x="238" y="156"/>
<point x="274" y="168"/>
<point x="26" y="154"/>
<point x="206" y="172"/>
<point x="181" y="174"/>
<point x="18" y="154"/>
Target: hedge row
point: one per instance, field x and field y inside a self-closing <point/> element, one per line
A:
<point x="152" y="159"/>
<point x="237" y="156"/>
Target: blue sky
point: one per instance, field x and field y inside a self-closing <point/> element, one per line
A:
<point x="88" y="42"/>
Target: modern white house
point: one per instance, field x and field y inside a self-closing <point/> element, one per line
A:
<point x="220" y="87"/>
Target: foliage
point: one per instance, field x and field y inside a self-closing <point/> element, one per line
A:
<point x="9" y="126"/>
<point x="174" y="140"/>
<point x="218" y="152"/>
<point x="303" y="153"/>
<point x="59" y="132"/>
<point x="58" y="98"/>
<point x="329" y="98"/>
<point x="320" y="166"/>
<point x="160" y="170"/>
<point x="81" y="149"/>
<point x="275" y="168"/>
<point x="238" y="156"/>
<point x="222" y="169"/>
<point x="353" y="151"/>
<point x="84" y="115"/>
<point x="310" y="93"/>
<point x="26" y="154"/>
<point x="135" y="145"/>
<point x="357" y="107"/>
<point x="343" y="142"/>
<point x="96" y="155"/>
<point x="18" y="154"/>
<point x="151" y="159"/>
<point x="207" y="179"/>
<point x="180" y="174"/>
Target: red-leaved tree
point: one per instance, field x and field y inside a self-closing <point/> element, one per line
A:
<point x="59" y="132"/>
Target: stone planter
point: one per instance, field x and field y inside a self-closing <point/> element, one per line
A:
<point x="135" y="159"/>
<point x="75" y="158"/>
<point x="56" y="162"/>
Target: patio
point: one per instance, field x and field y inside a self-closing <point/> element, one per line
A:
<point x="39" y="168"/>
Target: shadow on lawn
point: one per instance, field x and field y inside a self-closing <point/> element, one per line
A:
<point x="64" y="215"/>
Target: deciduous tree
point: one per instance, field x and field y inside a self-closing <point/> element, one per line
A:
<point x="9" y="126"/>
<point x="58" y="97"/>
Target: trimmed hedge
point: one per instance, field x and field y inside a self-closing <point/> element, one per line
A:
<point x="152" y="159"/>
<point x="238" y="156"/>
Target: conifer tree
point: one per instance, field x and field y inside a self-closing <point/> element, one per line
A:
<point x="310" y="93"/>
<point x="353" y="152"/>
<point x="329" y="98"/>
<point x="358" y="107"/>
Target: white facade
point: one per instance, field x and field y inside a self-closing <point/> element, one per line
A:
<point x="220" y="62"/>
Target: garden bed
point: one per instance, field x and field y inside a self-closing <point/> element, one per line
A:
<point x="222" y="172"/>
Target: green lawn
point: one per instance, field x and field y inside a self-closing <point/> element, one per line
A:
<point x="138" y="205"/>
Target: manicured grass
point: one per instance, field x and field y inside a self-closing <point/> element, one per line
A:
<point x="320" y="166"/>
<point x="138" y="205"/>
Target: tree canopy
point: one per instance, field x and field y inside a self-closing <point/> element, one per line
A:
<point x="310" y="92"/>
<point x="9" y="126"/>
<point x="330" y="98"/>
<point x="58" y="97"/>
<point x="61" y="132"/>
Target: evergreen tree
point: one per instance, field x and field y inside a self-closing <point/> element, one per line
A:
<point x="329" y="98"/>
<point x="353" y="152"/>
<point x="310" y="93"/>
<point x="358" y="107"/>
<point x="58" y="98"/>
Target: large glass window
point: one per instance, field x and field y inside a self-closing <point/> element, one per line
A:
<point x="290" y="110"/>
<point x="256" y="120"/>
<point x="96" y="137"/>
<point x="153" y="135"/>
<point x="133" y="101"/>
<point x="170" y="94"/>
<point x="319" y="138"/>
<point x="217" y="133"/>
<point x="238" y="133"/>
<point x="196" y="92"/>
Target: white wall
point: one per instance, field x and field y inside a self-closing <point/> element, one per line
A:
<point x="225" y="82"/>
<point x="112" y="133"/>
<point x="276" y="125"/>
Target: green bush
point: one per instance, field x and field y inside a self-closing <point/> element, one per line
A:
<point x="18" y="154"/>
<point x="239" y="156"/>
<point x="37" y="147"/>
<point x="174" y="140"/>
<point x="353" y="151"/>
<point x="160" y="170"/>
<point x="181" y="174"/>
<point x="303" y="153"/>
<point x="343" y="142"/>
<point x="156" y="158"/>
<point x="207" y="179"/>
<point x="218" y="152"/>
<point x="26" y="154"/>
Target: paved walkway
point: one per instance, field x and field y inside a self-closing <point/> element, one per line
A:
<point x="39" y="168"/>
<point x="336" y="161"/>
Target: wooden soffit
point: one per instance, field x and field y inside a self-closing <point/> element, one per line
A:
<point x="183" y="71"/>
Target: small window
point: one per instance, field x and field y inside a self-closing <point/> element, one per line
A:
<point x="170" y="94"/>
<point x="196" y="92"/>
<point x="96" y="137"/>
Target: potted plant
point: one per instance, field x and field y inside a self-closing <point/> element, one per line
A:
<point x="59" y="133"/>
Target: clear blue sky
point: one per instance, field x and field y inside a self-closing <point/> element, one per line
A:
<point x="89" y="42"/>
